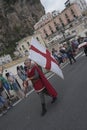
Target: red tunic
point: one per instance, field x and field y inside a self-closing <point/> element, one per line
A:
<point x="41" y="82"/>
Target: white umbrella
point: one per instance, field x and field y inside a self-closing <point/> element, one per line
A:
<point x="82" y="45"/>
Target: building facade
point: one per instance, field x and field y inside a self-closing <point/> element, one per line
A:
<point x="53" y="23"/>
<point x="81" y="3"/>
<point x="24" y="44"/>
<point x="5" y="59"/>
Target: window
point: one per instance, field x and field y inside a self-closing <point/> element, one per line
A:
<point x="71" y="25"/>
<point x="72" y="12"/>
<point x="55" y="23"/>
<point x="45" y="32"/>
<point x="60" y="20"/>
<point x="51" y="29"/>
<point x="23" y="47"/>
<point x="66" y="16"/>
<point x="86" y="33"/>
<point x="68" y="20"/>
<point x="46" y="35"/>
<point x="28" y="43"/>
<point x="73" y="31"/>
<point x="37" y="38"/>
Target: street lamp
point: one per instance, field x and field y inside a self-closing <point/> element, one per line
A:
<point x="62" y="30"/>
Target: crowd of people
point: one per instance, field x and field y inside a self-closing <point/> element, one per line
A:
<point x="82" y="40"/>
<point x="66" y="52"/>
<point x="9" y="83"/>
<point x="30" y="72"/>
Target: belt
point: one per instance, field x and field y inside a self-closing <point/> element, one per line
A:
<point x="34" y="80"/>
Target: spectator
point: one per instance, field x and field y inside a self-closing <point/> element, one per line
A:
<point x="5" y="104"/>
<point x="5" y="84"/>
<point x="57" y="56"/>
<point x="85" y="47"/>
<point x="22" y="75"/>
<point x="69" y="53"/>
<point x="15" y="86"/>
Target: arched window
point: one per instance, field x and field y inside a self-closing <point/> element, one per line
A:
<point x="23" y="47"/>
<point x="28" y="43"/>
<point x="37" y="38"/>
<point x="51" y="29"/>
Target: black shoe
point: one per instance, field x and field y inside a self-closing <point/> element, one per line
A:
<point x="54" y="99"/>
<point x="74" y="60"/>
<point x="43" y="112"/>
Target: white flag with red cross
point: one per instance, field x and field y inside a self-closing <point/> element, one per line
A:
<point x="39" y="54"/>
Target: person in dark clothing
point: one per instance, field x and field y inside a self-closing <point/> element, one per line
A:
<point x="85" y="47"/>
<point x="85" y="50"/>
<point x="58" y="57"/>
<point x="69" y="53"/>
<point x="6" y="102"/>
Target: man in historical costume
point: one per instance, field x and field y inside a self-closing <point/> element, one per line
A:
<point x="40" y="83"/>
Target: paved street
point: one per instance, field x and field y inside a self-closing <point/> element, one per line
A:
<point x="68" y="113"/>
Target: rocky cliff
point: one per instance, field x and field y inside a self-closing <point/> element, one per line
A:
<point x="17" y="18"/>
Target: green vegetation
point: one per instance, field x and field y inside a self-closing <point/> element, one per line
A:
<point x="8" y="49"/>
<point x="10" y="1"/>
<point x="17" y="29"/>
<point x="24" y="27"/>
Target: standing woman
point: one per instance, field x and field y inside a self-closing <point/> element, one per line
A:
<point x="15" y="86"/>
<point x="22" y="75"/>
